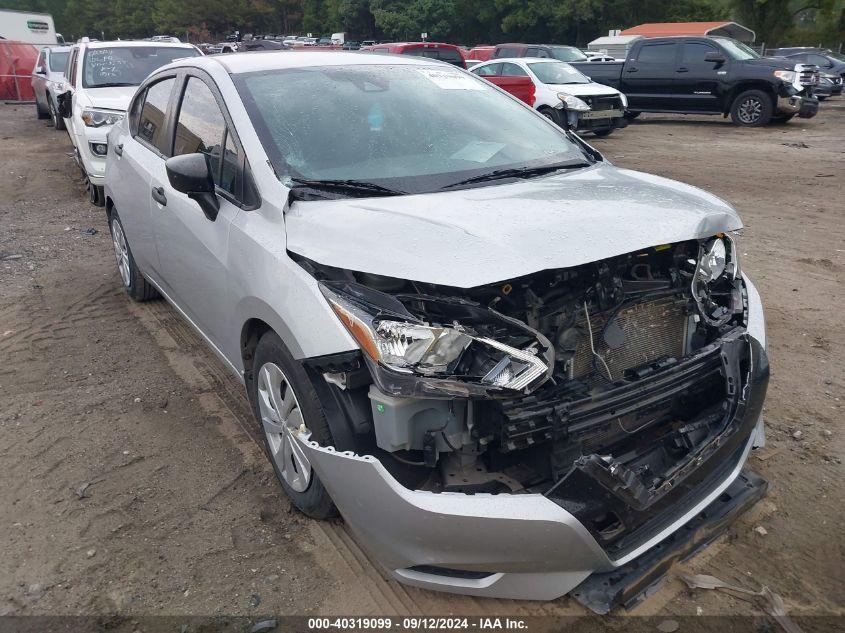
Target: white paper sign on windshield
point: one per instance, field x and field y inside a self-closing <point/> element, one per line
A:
<point x="450" y="79"/>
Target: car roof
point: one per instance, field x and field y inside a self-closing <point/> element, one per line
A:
<point x="236" y="63"/>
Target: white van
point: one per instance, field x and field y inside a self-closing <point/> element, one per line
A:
<point x="28" y="27"/>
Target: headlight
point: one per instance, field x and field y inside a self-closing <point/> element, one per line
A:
<point x="716" y="282"/>
<point x="572" y="102"/>
<point x="427" y="359"/>
<point x="99" y="118"/>
<point x="624" y="99"/>
<point x="788" y="76"/>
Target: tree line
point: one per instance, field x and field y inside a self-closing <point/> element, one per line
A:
<point x="470" y="22"/>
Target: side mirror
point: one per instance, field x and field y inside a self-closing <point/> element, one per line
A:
<point x="716" y="58"/>
<point x="65" y="102"/>
<point x="190" y="174"/>
<point x="40" y="70"/>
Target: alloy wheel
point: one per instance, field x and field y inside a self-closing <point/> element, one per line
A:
<point x="281" y="417"/>
<point x="750" y="110"/>
<point x="121" y="251"/>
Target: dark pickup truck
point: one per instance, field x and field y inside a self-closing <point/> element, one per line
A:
<point x="709" y="75"/>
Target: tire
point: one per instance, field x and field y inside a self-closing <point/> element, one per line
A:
<point x="603" y="133"/>
<point x="783" y="118"/>
<point x="752" y="108"/>
<point x="96" y="194"/>
<point x="276" y="379"/>
<point x="552" y="115"/>
<point x="631" y="115"/>
<point x="58" y="121"/>
<point x="138" y="288"/>
<point x="40" y="112"/>
<point x="821" y="97"/>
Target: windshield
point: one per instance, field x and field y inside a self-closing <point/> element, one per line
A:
<point x="412" y="128"/>
<point x="738" y="50"/>
<point x="128" y="65"/>
<point x="557" y="73"/>
<point x="58" y="61"/>
<point x="568" y="54"/>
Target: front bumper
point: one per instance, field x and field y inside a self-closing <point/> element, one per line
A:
<point x="92" y="165"/>
<point x="522" y="546"/>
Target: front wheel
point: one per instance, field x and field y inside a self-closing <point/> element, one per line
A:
<point x="40" y="112"/>
<point x="58" y="122"/>
<point x="283" y="401"/>
<point x="752" y="108"/>
<point x="782" y="118"/>
<point x="632" y="114"/>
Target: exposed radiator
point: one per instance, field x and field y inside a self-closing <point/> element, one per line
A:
<point x="647" y="332"/>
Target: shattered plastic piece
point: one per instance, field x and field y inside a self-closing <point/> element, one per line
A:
<point x="264" y="625"/>
<point x="82" y="491"/>
<point x="774" y="603"/>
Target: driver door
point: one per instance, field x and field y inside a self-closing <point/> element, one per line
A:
<point x="193" y="249"/>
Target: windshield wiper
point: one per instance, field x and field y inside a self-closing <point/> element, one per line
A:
<point x="114" y="85"/>
<point x="517" y="172"/>
<point x="346" y="186"/>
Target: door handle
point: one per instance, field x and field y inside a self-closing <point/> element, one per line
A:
<point x="631" y="70"/>
<point x="158" y="196"/>
<point x="118" y="149"/>
<point x="682" y="69"/>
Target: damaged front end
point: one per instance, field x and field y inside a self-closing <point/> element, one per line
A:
<point x="620" y="395"/>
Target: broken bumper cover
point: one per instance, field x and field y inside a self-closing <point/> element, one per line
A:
<point x="522" y="546"/>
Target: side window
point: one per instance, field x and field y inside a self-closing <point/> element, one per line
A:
<point x="490" y="70"/>
<point x="151" y="121"/>
<point x="201" y="128"/>
<point x="818" y="60"/>
<point x="71" y="74"/>
<point x="543" y="54"/>
<point x="657" y="54"/>
<point x="532" y="51"/>
<point x="694" y="52"/>
<point x="512" y="70"/>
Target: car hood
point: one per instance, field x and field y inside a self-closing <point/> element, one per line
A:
<point x="109" y="98"/>
<point x="472" y="237"/>
<point x="584" y="90"/>
<point x="782" y="63"/>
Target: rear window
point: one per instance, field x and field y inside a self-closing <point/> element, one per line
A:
<point x="507" y="52"/>
<point x="568" y="54"/>
<point x="657" y="54"/>
<point x="449" y="55"/>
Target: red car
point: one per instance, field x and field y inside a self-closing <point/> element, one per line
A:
<point x="481" y="53"/>
<point x="434" y="50"/>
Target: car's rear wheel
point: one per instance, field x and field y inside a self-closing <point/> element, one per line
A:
<point x="58" y="122"/>
<point x="752" y="108"/>
<point x="133" y="281"/>
<point x="283" y="401"/>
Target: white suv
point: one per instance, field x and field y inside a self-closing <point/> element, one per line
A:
<point x="101" y="79"/>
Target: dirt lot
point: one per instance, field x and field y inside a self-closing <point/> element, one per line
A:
<point x="181" y="513"/>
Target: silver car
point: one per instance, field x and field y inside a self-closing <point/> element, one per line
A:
<point x="514" y="369"/>
<point x="48" y="78"/>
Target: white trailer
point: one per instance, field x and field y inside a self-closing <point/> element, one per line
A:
<point x="28" y="27"/>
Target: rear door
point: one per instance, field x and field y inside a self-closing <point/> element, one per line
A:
<point x="649" y="79"/>
<point x="134" y="160"/>
<point x="699" y="83"/>
<point x="192" y="249"/>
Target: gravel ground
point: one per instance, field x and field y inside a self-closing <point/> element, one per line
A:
<point x="134" y="484"/>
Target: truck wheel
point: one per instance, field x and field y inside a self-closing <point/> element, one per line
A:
<point x="133" y="281"/>
<point x="283" y="398"/>
<point x="632" y="115"/>
<point x="752" y="108"/>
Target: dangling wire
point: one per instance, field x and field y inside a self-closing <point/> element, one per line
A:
<point x="593" y="347"/>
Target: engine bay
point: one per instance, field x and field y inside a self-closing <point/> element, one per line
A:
<point x="618" y="375"/>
